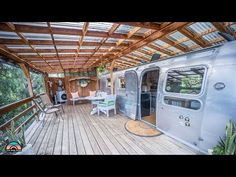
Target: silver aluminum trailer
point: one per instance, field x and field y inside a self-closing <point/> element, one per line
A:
<point x="193" y="98"/>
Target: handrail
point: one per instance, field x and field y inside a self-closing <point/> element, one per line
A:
<point x="12" y="106"/>
<point x="7" y="108"/>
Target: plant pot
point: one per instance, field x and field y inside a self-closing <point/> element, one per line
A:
<point x="27" y="150"/>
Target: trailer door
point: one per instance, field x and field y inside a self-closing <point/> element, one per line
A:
<point x="131" y="93"/>
<point x="181" y="103"/>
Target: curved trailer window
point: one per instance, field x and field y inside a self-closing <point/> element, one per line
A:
<point x="185" y="80"/>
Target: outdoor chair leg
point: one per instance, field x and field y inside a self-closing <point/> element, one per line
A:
<point x="115" y="110"/>
<point x="107" y="113"/>
<point x="62" y="109"/>
<point x="98" y="112"/>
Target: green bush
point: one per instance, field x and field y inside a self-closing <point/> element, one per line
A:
<point x="227" y="146"/>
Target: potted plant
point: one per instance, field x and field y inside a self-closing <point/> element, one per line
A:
<point x="227" y="145"/>
<point x="15" y="141"/>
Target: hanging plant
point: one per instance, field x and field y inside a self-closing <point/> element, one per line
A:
<point x="101" y="69"/>
<point x="84" y="82"/>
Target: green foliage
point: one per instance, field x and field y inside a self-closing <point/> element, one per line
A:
<point x="227" y="146"/>
<point x="37" y="83"/>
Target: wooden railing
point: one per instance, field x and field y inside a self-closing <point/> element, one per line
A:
<point x="15" y="105"/>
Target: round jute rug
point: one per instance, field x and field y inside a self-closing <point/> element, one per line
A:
<point x="140" y="128"/>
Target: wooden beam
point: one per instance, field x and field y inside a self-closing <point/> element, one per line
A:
<point x="63" y="31"/>
<point x="129" y="35"/>
<point x="55" y="47"/>
<point x="84" y="31"/>
<point x="220" y="27"/>
<point x="110" y="32"/>
<point x="154" y="47"/>
<point x="28" y="78"/>
<point x="171" y="43"/>
<point x="193" y="37"/>
<point x="154" y="36"/>
<point x="4" y="51"/>
<point x="13" y="29"/>
<point x="111" y="77"/>
<point x="57" y="42"/>
<point x="19" y="50"/>
<point x="147" y="25"/>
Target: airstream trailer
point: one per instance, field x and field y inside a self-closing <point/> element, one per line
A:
<point x="188" y="97"/>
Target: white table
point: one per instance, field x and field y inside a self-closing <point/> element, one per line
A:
<point x="95" y="98"/>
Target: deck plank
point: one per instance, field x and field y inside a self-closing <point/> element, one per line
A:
<point x="82" y="133"/>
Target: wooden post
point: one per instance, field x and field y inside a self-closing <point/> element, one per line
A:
<point x="30" y="87"/>
<point x="27" y="75"/>
<point x="47" y="87"/>
<point x="111" y="76"/>
<point x="97" y="81"/>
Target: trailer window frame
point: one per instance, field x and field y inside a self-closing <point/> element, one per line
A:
<point x="186" y="94"/>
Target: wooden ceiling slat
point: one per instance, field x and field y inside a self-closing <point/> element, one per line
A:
<point x="160" y="50"/>
<point x="12" y="28"/>
<point x="147" y="25"/>
<point x="64" y="31"/>
<point x="49" y="42"/>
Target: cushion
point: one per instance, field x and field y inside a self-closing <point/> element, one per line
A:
<point x="92" y="93"/>
<point x="75" y="95"/>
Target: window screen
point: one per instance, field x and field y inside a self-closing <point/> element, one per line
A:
<point x="185" y="80"/>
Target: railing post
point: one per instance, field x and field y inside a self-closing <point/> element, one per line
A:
<point x="29" y="81"/>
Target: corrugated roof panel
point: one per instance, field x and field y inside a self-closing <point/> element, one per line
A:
<point x="141" y="32"/>
<point x="173" y="49"/>
<point x="88" y="47"/>
<point x="51" y="53"/>
<point x="112" y="40"/>
<point x="177" y="36"/>
<point x="105" y="47"/>
<point x="212" y="36"/>
<point x="189" y="43"/>
<point x="233" y="27"/>
<point x="124" y="29"/>
<point x="8" y="35"/>
<point x="160" y="43"/>
<point x="37" y="36"/>
<point x="42" y="24"/>
<point x="66" y="37"/>
<point x="18" y="46"/>
<point x="65" y="53"/>
<point x="148" y="49"/>
<point x="200" y="27"/>
<point x="92" y="39"/>
<point x="43" y="46"/>
<point x="68" y="25"/>
<point x="26" y="53"/>
<point x="100" y="26"/>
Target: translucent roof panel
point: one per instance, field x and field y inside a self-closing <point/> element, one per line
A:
<point x="200" y="27"/>
<point x="42" y="24"/>
<point x="68" y="25"/>
<point x="173" y="49"/>
<point x="92" y="39"/>
<point x="160" y="43"/>
<point x="26" y="53"/>
<point x="18" y="46"/>
<point x="233" y="27"/>
<point x="124" y="29"/>
<point x="212" y="37"/>
<point x="67" y="47"/>
<point x="105" y="47"/>
<point x="88" y="47"/>
<point x="142" y="32"/>
<point x="66" y="37"/>
<point x="8" y="35"/>
<point x="43" y="46"/>
<point x="188" y="44"/>
<point x="36" y="36"/>
<point x="177" y="36"/>
<point x="112" y="40"/>
<point x="100" y="26"/>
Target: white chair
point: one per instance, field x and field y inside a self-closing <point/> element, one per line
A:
<point x="108" y="104"/>
<point x="75" y="97"/>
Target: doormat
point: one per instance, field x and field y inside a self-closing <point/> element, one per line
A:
<point x="141" y="129"/>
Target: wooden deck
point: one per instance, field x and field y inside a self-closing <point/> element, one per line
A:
<point x="81" y="133"/>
